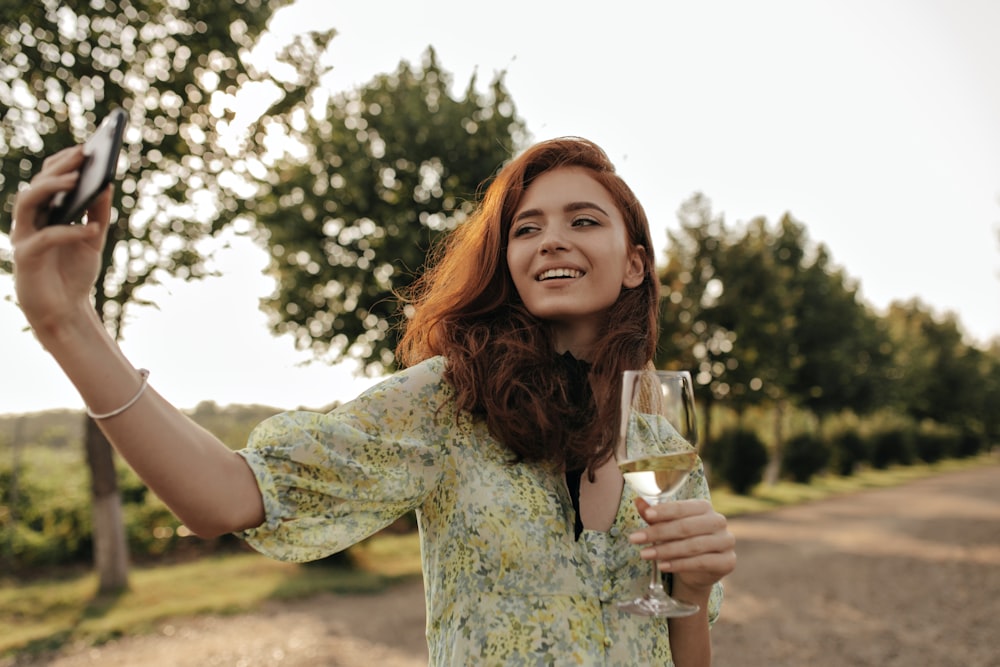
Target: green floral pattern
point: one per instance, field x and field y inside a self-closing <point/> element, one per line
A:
<point x="505" y="581"/>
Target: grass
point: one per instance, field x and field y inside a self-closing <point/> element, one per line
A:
<point x="47" y="614"/>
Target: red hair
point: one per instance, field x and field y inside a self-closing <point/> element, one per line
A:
<point x="501" y="359"/>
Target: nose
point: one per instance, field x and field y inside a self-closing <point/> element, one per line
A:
<point x="552" y="240"/>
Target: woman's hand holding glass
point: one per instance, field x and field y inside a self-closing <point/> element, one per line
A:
<point x="656" y="451"/>
<point x="688" y="539"/>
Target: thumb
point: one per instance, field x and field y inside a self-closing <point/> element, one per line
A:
<point x="99" y="211"/>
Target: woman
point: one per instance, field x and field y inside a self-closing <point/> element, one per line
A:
<point x="498" y="433"/>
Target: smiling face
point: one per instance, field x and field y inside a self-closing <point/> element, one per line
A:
<point x="569" y="256"/>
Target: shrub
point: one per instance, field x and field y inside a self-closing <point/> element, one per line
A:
<point x="46" y="518"/>
<point x="805" y="456"/>
<point x="848" y="450"/>
<point x="46" y="514"/>
<point x="738" y="457"/>
<point x="932" y="446"/>
<point x="969" y="444"/>
<point x="891" y="446"/>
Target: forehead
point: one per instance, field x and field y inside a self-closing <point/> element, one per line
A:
<point x="562" y="185"/>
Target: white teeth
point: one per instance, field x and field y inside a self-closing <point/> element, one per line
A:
<point x="559" y="273"/>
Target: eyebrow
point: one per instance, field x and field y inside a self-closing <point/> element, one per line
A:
<point x="568" y="208"/>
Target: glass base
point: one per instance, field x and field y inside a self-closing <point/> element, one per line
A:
<point x="664" y="607"/>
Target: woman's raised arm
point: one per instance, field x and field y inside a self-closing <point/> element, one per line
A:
<point x="209" y="487"/>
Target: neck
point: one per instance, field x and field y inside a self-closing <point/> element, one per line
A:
<point x="580" y="346"/>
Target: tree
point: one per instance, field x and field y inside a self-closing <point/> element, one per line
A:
<point x="690" y="336"/>
<point x="845" y="348"/>
<point x="765" y="318"/>
<point x="378" y="174"/>
<point x="177" y="67"/>
<point x="939" y="377"/>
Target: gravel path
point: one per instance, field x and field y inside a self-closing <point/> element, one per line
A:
<point x="908" y="576"/>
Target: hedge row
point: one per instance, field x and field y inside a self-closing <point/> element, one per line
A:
<point x="738" y="457"/>
<point x="45" y="505"/>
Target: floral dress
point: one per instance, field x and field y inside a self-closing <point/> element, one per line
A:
<point x="506" y="581"/>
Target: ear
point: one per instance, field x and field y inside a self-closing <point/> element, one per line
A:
<point x="635" y="270"/>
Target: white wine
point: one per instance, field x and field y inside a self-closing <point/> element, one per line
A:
<point x="654" y="476"/>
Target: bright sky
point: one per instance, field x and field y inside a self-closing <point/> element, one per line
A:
<point x="876" y="124"/>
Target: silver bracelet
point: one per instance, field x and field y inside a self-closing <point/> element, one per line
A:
<point x="144" y="374"/>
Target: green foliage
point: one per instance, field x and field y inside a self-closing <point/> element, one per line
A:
<point x="45" y="515"/>
<point x="379" y="174"/>
<point x="175" y="67"/>
<point x="970" y="444"/>
<point x="848" y="451"/>
<point x="933" y="443"/>
<point x="737" y="457"/>
<point x="45" y="510"/>
<point x="937" y="375"/>
<point x="805" y="456"/>
<point x="762" y="316"/>
<point x="892" y="446"/>
<point x="764" y="319"/>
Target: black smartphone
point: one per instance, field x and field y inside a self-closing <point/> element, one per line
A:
<point x="100" y="163"/>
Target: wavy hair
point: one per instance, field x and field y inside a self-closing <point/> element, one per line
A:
<point x="500" y="359"/>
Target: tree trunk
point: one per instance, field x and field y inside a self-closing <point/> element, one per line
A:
<point x="110" y="546"/>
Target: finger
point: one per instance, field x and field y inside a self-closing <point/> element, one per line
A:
<point x="33" y="201"/>
<point x="673" y="509"/>
<point x="99" y="211"/>
<point x="702" y="569"/>
<point x="673" y="550"/>
<point x="32" y="250"/>
<point x="686" y="527"/>
<point x="66" y="159"/>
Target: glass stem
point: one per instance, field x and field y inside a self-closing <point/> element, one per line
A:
<point x="656" y="589"/>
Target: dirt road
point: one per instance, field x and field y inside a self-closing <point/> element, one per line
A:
<point x="908" y="576"/>
<point x="905" y="576"/>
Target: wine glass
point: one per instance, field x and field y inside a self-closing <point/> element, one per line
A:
<point x="656" y="450"/>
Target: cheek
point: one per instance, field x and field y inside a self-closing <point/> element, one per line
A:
<point x="512" y="270"/>
<point x="515" y="263"/>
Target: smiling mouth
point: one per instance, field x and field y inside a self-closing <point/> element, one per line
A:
<point x="553" y="274"/>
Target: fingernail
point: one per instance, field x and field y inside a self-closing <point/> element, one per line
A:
<point x="636" y="538"/>
<point x="648" y="554"/>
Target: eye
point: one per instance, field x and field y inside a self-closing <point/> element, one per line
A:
<point x="523" y="229"/>
<point x="585" y="221"/>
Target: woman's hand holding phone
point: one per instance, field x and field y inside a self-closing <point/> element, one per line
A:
<point x="56" y="261"/>
<point x="98" y="170"/>
<point x="56" y="266"/>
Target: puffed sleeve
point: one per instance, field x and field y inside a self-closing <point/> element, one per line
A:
<point x="330" y="480"/>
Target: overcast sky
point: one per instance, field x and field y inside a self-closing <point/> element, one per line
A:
<point x="874" y="123"/>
